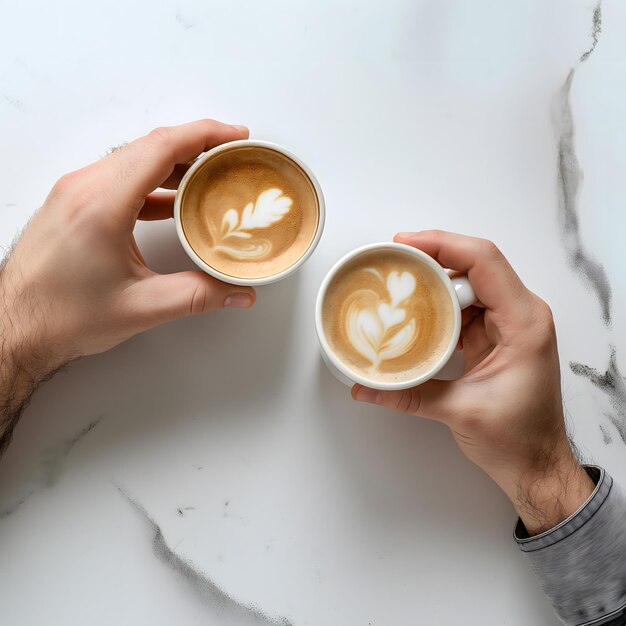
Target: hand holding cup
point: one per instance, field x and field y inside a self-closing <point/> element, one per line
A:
<point x="506" y="411"/>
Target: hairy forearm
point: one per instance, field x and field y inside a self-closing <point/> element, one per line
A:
<point x="19" y="377"/>
<point x="549" y="495"/>
<point x="581" y="563"/>
<point x="26" y="359"/>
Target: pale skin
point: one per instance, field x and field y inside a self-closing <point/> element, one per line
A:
<point x="506" y="412"/>
<point x="76" y="284"/>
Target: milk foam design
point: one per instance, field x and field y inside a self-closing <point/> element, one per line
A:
<point x="235" y="239"/>
<point x="382" y="332"/>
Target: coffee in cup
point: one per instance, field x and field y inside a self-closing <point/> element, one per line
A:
<point x="388" y="316"/>
<point x="249" y="212"/>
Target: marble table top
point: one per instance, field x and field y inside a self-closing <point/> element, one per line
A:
<point x="212" y="471"/>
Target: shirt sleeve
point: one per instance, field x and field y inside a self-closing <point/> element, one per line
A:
<point x="581" y="563"/>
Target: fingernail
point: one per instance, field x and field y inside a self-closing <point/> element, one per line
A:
<point x="364" y="394"/>
<point x="238" y="300"/>
<point x="240" y="127"/>
<point x="405" y="235"/>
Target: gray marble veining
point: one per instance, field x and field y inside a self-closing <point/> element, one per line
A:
<point x="591" y="271"/>
<point x="227" y="609"/>
<point x="613" y="385"/>
<point x="51" y="468"/>
<point x="606" y="434"/>
<point x="570" y="177"/>
<point x="596" y="29"/>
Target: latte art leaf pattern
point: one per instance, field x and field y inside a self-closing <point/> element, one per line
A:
<point x="380" y="331"/>
<point x="235" y="238"/>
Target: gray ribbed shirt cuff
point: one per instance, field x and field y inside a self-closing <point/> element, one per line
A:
<point x="581" y="563"/>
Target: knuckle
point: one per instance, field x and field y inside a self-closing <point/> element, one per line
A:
<point x="545" y="312"/>
<point x="406" y="401"/>
<point x="72" y="195"/>
<point x="545" y="322"/>
<point x="489" y="249"/>
<point x="416" y="402"/>
<point x="199" y="299"/>
<point x="67" y="183"/>
<point x="488" y="255"/>
<point x="161" y="139"/>
<point x="160" y="134"/>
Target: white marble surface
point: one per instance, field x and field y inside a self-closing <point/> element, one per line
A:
<point x="255" y="467"/>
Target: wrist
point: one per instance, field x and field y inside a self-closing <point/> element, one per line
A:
<point x="27" y="352"/>
<point x="26" y="359"/>
<point x="546" y="496"/>
<point x="24" y="324"/>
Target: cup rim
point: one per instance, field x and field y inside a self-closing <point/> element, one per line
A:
<point x="347" y="371"/>
<point x="227" y="278"/>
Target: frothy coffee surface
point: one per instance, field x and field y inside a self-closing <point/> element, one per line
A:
<point x="387" y="316"/>
<point x="250" y="212"/>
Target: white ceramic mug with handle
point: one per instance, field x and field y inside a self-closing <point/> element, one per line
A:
<point x="461" y="296"/>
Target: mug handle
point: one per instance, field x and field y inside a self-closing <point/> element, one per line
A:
<point x="464" y="291"/>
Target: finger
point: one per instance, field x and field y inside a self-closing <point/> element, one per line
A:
<point x="158" y="206"/>
<point x="434" y="399"/>
<point x="469" y="314"/>
<point x="495" y="283"/>
<point x="166" y="297"/>
<point x="173" y="180"/>
<point x="138" y="168"/>
<point x="476" y="343"/>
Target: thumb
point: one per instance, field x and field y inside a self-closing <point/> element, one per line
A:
<point x="434" y="399"/>
<point x="167" y="297"/>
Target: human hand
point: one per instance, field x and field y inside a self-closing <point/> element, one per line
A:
<point x="76" y="282"/>
<point x="506" y="412"/>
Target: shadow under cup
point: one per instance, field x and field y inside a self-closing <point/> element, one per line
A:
<point x="249" y="212"/>
<point x="388" y="316"/>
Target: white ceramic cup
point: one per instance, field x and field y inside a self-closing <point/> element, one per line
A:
<point x="263" y="280"/>
<point x="461" y="296"/>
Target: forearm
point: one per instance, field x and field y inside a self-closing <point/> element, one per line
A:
<point x="26" y="359"/>
<point x="551" y="492"/>
<point x="581" y="561"/>
<point x="19" y="377"/>
<point x="572" y="528"/>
